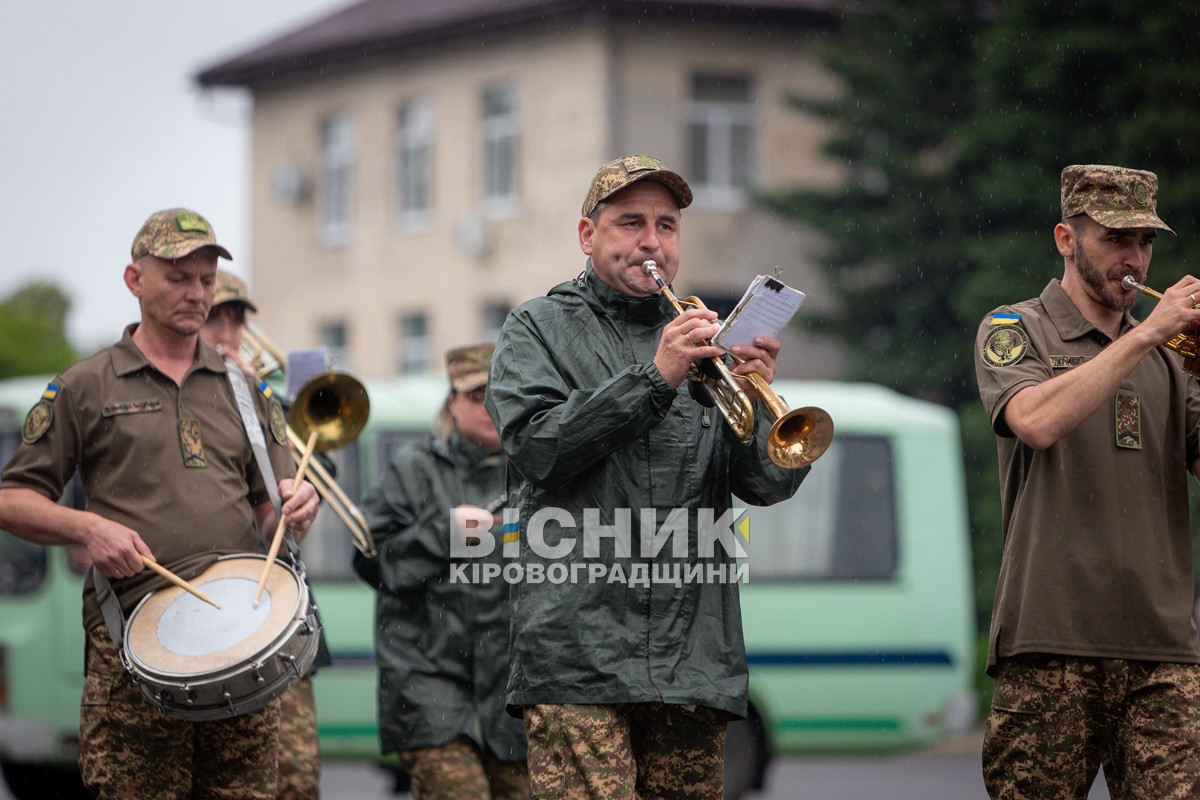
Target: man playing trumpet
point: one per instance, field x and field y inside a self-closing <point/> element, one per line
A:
<point x="625" y="685"/>
<point x="1093" y="650"/>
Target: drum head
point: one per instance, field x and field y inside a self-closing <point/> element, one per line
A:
<point x="174" y="634"/>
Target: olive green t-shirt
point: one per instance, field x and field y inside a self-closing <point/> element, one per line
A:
<point x="1097" y="554"/>
<point x="172" y="462"/>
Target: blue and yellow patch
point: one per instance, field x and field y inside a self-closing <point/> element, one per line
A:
<point x="1006" y="343"/>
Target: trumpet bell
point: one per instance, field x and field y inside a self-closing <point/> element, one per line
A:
<point x="800" y="437"/>
<point x="333" y="404"/>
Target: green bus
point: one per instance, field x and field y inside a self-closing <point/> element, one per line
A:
<point x="857" y="612"/>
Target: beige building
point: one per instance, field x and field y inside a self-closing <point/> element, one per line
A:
<point x="419" y="165"/>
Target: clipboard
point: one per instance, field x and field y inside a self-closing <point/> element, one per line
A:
<point x="764" y="310"/>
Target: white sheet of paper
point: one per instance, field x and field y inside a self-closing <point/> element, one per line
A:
<point x="764" y="310"/>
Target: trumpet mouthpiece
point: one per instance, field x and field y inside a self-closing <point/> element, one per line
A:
<point x="1129" y="283"/>
<point x="649" y="267"/>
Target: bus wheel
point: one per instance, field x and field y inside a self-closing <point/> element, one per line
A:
<point x="745" y="756"/>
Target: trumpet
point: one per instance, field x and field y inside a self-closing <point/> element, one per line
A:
<point x="1186" y="346"/>
<point x="797" y="437"/>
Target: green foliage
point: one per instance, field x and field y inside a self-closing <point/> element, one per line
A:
<point x="954" y="123"/>
<point x="33" y="331"/>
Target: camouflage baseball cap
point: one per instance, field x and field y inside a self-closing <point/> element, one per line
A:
<point x="175" y="233"/>
<point x="616" y="175"/>
<point x="468" y="366"/>
<point x="231" y="289"/>
<point x="1116" y="197"/>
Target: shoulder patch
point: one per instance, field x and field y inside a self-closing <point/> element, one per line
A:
<point x="278" y="423"/>
<point x="1005" y="345"/>
<point x="37" y="421"/>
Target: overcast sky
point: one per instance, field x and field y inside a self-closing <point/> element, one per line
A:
<point x="103" y="124"/>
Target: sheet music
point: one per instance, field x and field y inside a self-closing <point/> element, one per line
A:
<point x="764" y="310"/>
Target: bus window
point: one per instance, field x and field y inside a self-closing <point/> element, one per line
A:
<point x="841" y="524"/>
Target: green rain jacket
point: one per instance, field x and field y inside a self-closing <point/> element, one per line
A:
<point x="590" y="428"/>
<point x="442" y="647"/>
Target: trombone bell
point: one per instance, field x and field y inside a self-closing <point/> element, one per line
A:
<point x="333" y="404"/>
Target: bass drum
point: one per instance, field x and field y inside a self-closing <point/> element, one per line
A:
<point x="197" y="662"/>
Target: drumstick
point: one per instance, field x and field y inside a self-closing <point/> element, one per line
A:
<point x="278" y="538"/>
<point x="178" y="581"/>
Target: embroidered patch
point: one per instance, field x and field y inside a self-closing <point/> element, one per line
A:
<point x="131" y="407"/>
<point x="1005" y="345"/>
<point x="37" y="421"/>
<point x="278" y="423"/>
<point x="189" y="441"/>
<point x="1067" y="362"/>
<point x="1129" y="421"/>
<point x="51" y="391"/>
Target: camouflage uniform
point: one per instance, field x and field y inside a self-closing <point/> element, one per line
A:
<point x="299" y="753"/>
<point x="588" y="751"/>
<point x="120" y="732"/>
<point x="1092" y="647"/>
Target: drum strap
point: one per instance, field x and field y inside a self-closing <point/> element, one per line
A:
<point x="114" y="620"/>
<point x="259" y="445"/>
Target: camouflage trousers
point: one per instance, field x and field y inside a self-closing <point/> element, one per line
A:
<point x="459" y="770"/>
<point x="625" y="751"/>
<point x="128" y="748"/>
<point x="1055" y="720"/>
<point x="299" y="754"/>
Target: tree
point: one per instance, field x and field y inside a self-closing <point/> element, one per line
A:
<point x="33" y="331"/>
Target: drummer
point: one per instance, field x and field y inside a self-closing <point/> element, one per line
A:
<point x="152" y="426"/>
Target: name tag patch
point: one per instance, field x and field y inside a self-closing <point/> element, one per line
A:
<point x="1067" y="362"/>
<point x="131" y="407"/>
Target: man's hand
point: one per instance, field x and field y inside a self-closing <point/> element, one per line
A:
<point x="115" y="549"/>
<point x="680" y="344"/>
<point x="759" y="357"/>
<point x="299" y="506"/>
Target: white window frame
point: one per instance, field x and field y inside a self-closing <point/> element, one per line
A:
<point x="335" y="188"/>
<point x="712" y="175"/>
<point x="415" y="137"/>
<point x="500" y="132"/>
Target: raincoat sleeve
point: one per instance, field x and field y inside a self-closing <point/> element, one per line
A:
<point x="555" y="421"/>
<point x="411" y="527"/>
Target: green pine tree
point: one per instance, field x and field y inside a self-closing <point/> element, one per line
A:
<point x="33" y="335"/>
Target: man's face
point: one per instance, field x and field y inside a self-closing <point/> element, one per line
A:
<point x="175" y="295"/>
<point x="223" y="329"/>
<point x="639" y="223"/>
<point x="1104" y="256"/>
<point x="472" y="420"/>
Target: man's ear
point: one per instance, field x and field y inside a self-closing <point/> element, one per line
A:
<point x="1064" y="239"/>
<point x="133" y="278"/>
<point x="586" y="229"/>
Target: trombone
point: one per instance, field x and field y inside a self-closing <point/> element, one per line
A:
<point x="797" y="438"/>
<point x="336" y="407"/>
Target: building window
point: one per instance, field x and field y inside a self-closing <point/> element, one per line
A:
<point x="721" y="129"/>
<point x="335" y="187"/>
<point x="414" y="164"/>
<point x="415" y="353"/>
<point x="500" y="148"/>
<point x="494" y="314"/>
<point x="333" y="338"/>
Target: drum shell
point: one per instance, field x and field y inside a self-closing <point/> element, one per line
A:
<point x="281" y="654"/>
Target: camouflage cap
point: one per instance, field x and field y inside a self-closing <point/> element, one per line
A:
<point x="1116" y="197"/>
<point x="175" y="233"/>
<point x="616" y="175"/>
<point x="468" y="366"/>
<point x="231" y="289"/>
